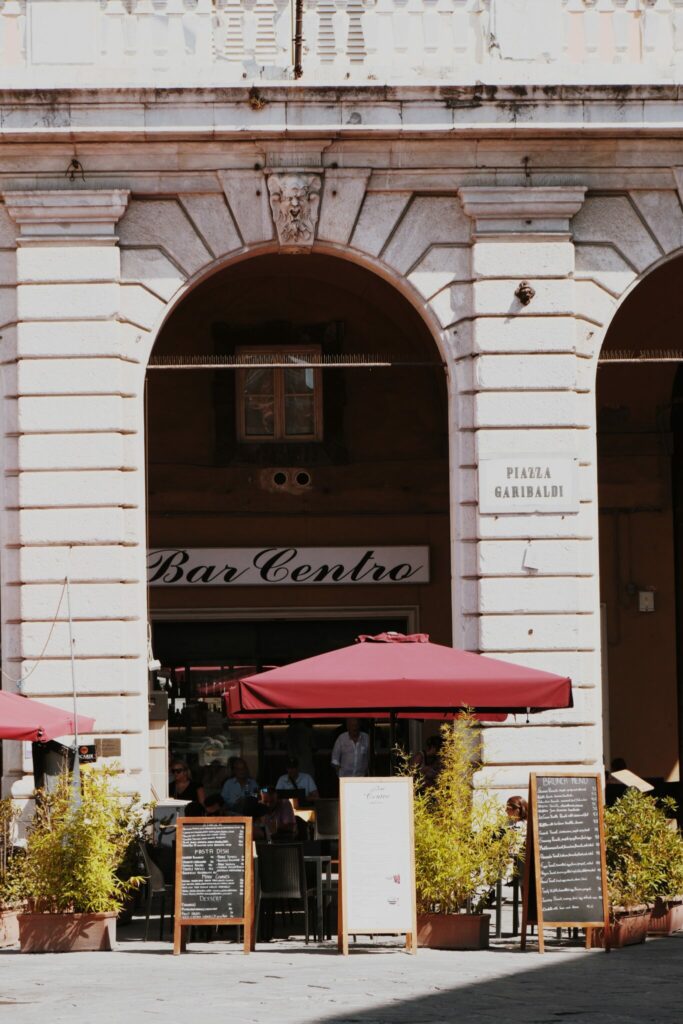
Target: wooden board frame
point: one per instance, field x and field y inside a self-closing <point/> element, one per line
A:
<point x="533" y="857"/>
<point x="342" y="915"/>
<point x="247" y="922"/>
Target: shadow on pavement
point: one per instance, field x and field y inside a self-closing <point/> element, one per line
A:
<point x="635" y="984"/>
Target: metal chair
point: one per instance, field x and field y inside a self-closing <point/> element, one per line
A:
<point x="156" y="886"/>
<point x="326" y="819"/>
<point x="282" y="877"/>
<point x="327" y="826"/>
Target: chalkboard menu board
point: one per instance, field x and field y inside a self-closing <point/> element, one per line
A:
<point x="377" y="859"/>
<point x="213" y="875"/>
<point x="565" y="878"/>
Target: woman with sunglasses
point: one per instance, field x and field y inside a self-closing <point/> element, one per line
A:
<point x="182" y="786"/>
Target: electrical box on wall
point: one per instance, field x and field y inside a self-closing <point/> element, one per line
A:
<point x="646" y="600"/>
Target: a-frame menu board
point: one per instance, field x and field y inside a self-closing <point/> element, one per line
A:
<point x="565" y="877"/>
<point x="214" y="876"/>
<point x="376" y="859"/>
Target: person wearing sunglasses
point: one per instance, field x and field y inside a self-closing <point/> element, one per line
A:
<point x="183" y="787"/>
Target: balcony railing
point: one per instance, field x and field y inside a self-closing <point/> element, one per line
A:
<point x="225" y="42"/>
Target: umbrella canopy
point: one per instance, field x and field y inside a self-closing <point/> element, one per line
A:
<point x="406" y="675"/>
<point x="24" y="719"/>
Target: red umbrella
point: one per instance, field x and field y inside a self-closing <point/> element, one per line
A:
<point x="24" y="719"/>
<point x="406" y="675"/>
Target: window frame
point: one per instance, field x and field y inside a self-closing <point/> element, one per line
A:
<point x="279" y="436"/>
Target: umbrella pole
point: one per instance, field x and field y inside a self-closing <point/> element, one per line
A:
<point x="392" y="741"/>
<point x="76" y="776"/>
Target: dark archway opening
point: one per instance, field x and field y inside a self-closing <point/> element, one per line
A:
<point x="640" y="472"/>
<point x="291" y="456"/>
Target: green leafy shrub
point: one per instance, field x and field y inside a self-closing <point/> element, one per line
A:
<point x="462" y="842"/>
<point x="9" y="813"/>
<point x="73" y="853"/>
<point x="644" y="854"/>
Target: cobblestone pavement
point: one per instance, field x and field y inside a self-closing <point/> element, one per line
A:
<point x="288" y="983"/>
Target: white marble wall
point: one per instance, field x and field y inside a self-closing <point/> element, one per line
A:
<point x="87" y="276"/>
<point x="221" y="42"/>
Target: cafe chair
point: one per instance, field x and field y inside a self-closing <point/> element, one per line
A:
<point x="155" y="887"/>
<point x="326" y="819"/>
<point x="282" y="879"/>
<point x="327" y="825"/>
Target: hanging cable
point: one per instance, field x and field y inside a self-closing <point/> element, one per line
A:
<point x="21" y="679"/>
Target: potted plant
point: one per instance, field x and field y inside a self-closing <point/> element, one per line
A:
<point x="644" y="867"/>
<point x="68" y="875"/>
<point x="463" y="845"/>
<point x="9" y="904"/>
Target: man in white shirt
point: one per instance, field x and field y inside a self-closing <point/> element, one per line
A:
<point x="351" y="750"/>
<point x="294" y="779"/>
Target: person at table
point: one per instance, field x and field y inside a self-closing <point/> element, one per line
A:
<point x="294" y="779"/>
<point x="241" y="789"/>
<point x="278" y="821"/>
<point x="517" y="810"/>
<point x="183" y="787"/>
<point x="351" y="751"/>
<point x="213" y="807"/>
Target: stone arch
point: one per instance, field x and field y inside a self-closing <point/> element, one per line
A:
<point x="419" y="244"/>
<point x="620" y="238"/>
<point x="619" y="260"/>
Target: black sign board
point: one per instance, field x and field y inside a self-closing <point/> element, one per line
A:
<point x="87" y="753"/>
<point x="214" y="875"/>
<point x="565" y="881"/>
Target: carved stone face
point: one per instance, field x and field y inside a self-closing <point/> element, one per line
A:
<point x="294" y="200"/>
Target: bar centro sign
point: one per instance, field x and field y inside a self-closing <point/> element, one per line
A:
<point x="286" y="566"/>
<point x="528" y="483"/>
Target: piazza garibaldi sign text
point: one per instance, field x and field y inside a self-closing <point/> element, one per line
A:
<point x="286" y="566"/>
<point x="528" y="483"/>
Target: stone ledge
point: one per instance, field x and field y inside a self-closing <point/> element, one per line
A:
<point x="57" y="213"/>
<point x="537" y="210"/>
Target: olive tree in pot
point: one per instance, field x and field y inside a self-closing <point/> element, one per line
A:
<point x="462" y="845"/>
<point x="9" y="903"/>
<point x="644" y="868"/>
<point x="68" y="876"/>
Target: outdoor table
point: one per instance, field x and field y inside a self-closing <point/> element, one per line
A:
<point x="318" y="860"/>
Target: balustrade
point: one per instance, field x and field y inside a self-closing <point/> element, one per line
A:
<point x="224" y="41"/>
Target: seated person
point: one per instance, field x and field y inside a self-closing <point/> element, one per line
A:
<point x="213" y="807"/>
<point x="294" y="779"/>
<point x="239" y="791"/>
<point x="278" y="820"/>
<point x="183" y="786"/>
<point x="214" y="776"/>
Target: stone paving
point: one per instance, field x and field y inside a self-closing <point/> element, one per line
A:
<point x="289" y="983"/>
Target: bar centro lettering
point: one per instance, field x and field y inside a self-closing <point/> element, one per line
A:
<point x="283" y="566"/>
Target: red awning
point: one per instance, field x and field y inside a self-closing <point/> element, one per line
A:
<point x="24" y="719"/>
<point x="406" y="675"/>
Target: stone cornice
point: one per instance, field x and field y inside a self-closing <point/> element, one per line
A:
<point x="330" y="112"/>
<point x="520" y="209"/>
<point x="59" y="214"/>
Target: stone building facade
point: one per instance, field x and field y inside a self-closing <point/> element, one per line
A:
<point x="167" y="162"/>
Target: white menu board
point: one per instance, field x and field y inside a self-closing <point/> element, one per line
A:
<point x="377" y="856"/>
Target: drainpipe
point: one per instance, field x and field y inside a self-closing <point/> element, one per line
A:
<point x="298" y="37"/>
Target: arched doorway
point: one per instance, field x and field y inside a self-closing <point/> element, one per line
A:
<point x="319" y="477"/>
<point x="640" y="469"/>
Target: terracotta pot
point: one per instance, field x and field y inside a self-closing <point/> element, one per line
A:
<point x="666" y="917"/>
<point x="628" y="928"/>
<point x="9" y="928"/>
<point x="67" y="933"/>
<point x="453" y="931"/>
